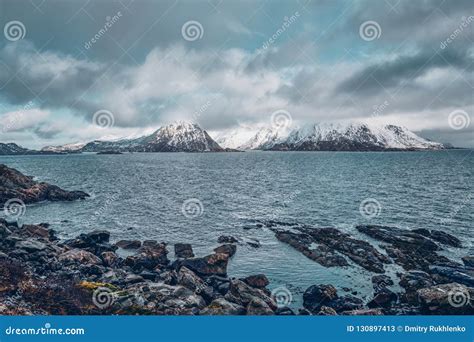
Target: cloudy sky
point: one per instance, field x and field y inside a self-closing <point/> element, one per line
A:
<point x="226" y="64"/>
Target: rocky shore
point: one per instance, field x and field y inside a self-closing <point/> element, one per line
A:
<point x="15" y="185"/>
<point x="41" y="274"/>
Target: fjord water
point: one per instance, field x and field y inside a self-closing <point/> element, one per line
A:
<point x="140" y="196"/>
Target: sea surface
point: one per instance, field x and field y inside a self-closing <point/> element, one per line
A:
<point x="141" y="196"/>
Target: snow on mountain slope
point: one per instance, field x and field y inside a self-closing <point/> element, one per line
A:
<point x="349" y="136"/>
<point x="64" y="148"/>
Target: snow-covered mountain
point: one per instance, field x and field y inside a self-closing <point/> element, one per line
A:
<point x="180" y="136"/>
<point x="64" y="148"/>
<point x="351" y="136"/>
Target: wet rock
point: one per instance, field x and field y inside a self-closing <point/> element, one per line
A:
<point x="254" y="243"/>
<point x="259" y="281"/>
<point x="303" y="243"/>
<point x="228" y="249"/>
<point x="457" y="274"/>
<point x="128" y="244"/>
<point x="109" y="258"/>
<point x="317" y="296"/>
<point x="412" y="281"/>
<point x="383" y="298"/>
<point x="364" y="312"/>
<point x="133" y="279"/>
<point x="448" y="299"/>
<point x="330" y="242"/>
<point x="284" y="311"/>
<point x="214" y="264"/>
<point x="189" y="279"/>
<point x="227" y="239"/>
<point x="183" y="250"/>
<point x="440" y="236"/>
<point x="80" y="256"/>
<point x="468" y="260"/>
<point x="30" y="245"/>
<point x="220" y="306"/>
<point x="149" y="256"/>
<point x="95" y="242"/>
<point x="381" y="281"/>
<point x="13" y="184"/>
<point x="403" y="238"/>
<point x="326" y="311"/>
<point x="242" y="294"/>
<point x="258" y="307"/>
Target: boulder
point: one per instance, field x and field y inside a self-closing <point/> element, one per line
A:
<point x="242" y="294"/>
<point x="383" y="298"/>
<point x="258" y="307"/>
<point x="317" y="296"/>
<point x="183" y="250"/>
<point x="227" y="239"/>
<point x="128" y="244"/>
<point x="220" y="306"/>
<point x="447" y="299"/>
<point x="228" y="249"/>
<point x="30" y="245"/>
<point x="259" y="281"/>
<point x="214" y="264"/>
<point x="79" y="256"/>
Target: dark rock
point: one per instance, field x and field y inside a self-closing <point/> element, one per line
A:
<point x="228" y="249"/>
<point x="440" y="236"/>
<point x="259" y="281"/>
<point x="214" y="264"/>
<point x="326" y="311"/>
<point x="31" y="245"/>
<point x="258" y="307"/>
<point x="381" y="281"/>
<point x="468" y="260"/>
<point x="220" y="306"/>
<point x="460" y="274"/>
<point x="330" y="242"/>
<point x="183" y="250"/>
<point x="227" y="239"/>
<point x="254" y="243"/>
<point x="383" y="298"/>
<point x="128" y="244"/>
<point x="242" y="294"/>
<point x="133" y="279"/>
<point x="317" y="296"/>
<point x="110" y="259"/>
<point x="364" y="312"/>
<point x="284" y="311"/>
<point x="79" y="256"/>
<point x="13" y="184"/>
<point x="303" y="243"/>
<point x="149" y="256"/>
<point x="447" y="299"/>
<point x="412" y="281"/>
